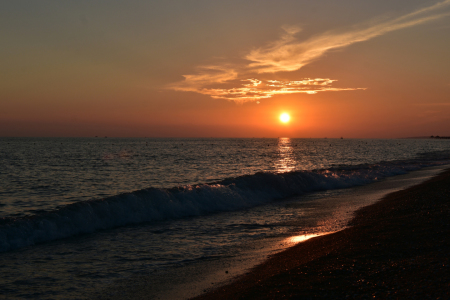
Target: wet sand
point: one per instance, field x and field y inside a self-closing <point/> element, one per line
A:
<point x="397" y="248"/>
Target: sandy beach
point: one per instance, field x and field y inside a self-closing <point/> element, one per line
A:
<point x="397" y="248"/>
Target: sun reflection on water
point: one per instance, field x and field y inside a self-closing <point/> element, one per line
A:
<point x="304" y="237"/>
<point x="286" y="158"/>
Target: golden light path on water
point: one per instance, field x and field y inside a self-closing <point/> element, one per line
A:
<point x="287" y="162"/>
<point x="286" y="157"/>
<point x="304" y="237"/>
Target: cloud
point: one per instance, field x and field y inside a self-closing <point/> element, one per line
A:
<point x="254" y="89"/>
<point x="206" y="75"/>
<point x="287" y="54"/>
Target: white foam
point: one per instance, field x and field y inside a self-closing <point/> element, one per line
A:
<point x="186" y="201"/>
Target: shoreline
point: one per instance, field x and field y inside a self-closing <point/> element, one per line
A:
<point x="395" y="248"/>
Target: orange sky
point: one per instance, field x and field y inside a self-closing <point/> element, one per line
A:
<point x="203" y="69"/>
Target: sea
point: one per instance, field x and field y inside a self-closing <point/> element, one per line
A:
<point x="98" y="218"/>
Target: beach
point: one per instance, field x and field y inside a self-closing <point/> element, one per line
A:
<point x="173" y="218"/>
<point x="396" y="248"/>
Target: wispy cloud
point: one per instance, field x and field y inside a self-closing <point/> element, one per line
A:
<point x="287" y="54"/>
<point x="206" y="75"/>
<point x="255" y="89"/>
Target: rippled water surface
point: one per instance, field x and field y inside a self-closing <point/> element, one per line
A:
<point x="38" y="174"/>
<point x="79" y="216"/>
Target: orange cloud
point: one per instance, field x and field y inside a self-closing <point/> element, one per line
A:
<point x="288" y="54"/>
<point x="259" y="89"/>
<point x="207" y="75"/>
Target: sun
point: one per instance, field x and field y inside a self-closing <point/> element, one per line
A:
<point x="284" y="117"/>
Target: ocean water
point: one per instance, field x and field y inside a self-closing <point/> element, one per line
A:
<point x="79" y="215"/>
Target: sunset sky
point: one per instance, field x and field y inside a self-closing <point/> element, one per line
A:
<point x="207" y="68"/>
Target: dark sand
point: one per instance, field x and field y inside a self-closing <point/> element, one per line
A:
<point x="397" y="248"/>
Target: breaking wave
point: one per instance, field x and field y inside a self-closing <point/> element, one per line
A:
<point x="154" y="204"/>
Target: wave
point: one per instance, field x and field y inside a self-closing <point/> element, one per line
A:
<point x="154" y="204"/>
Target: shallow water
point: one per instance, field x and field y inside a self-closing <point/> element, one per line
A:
<point x="67" y="233"/>
<point x="304" y="218"/>
<point x="40" y="174"/>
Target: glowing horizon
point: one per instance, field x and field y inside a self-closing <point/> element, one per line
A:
<point x="225" y="68"/>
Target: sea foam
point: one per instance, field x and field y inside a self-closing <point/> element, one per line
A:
<point x="154" y="204"/>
